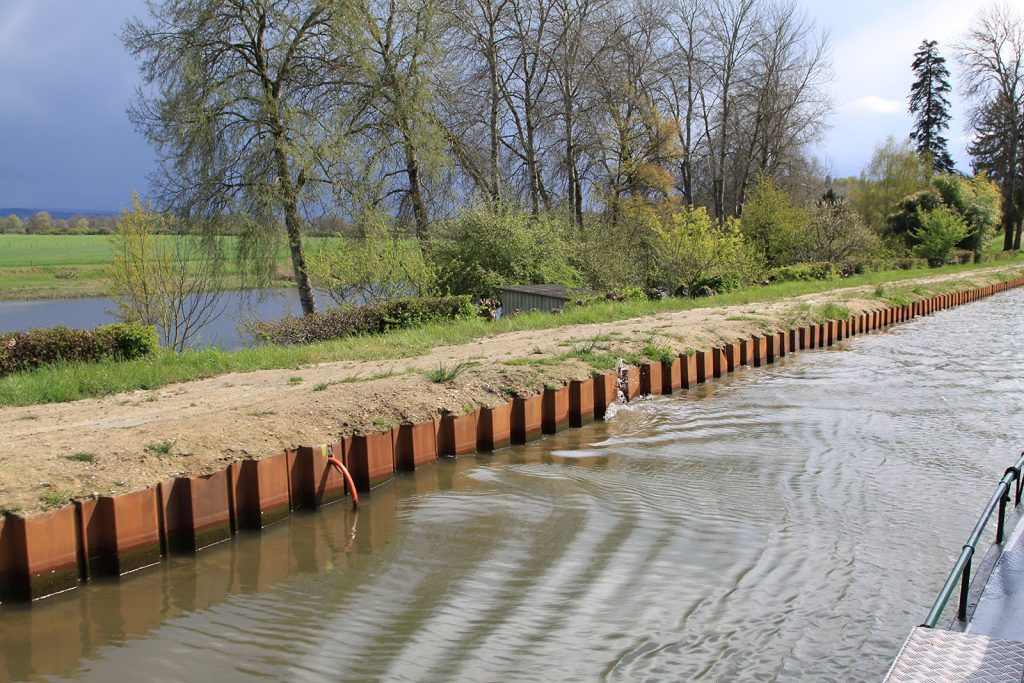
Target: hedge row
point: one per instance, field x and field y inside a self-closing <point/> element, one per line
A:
<point x="48" y="345"/>
<point x="375" y="318"/>
<point x="827" y="270"/>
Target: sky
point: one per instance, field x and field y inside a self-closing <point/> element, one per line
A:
<point x="66" y="83"/>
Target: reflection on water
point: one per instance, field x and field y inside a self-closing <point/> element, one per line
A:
<point x="788" y="523"/>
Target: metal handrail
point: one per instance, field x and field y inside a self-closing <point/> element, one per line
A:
<point x="962" y="569"/>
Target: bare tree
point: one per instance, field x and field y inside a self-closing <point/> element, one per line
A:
<point x="992" y="58"/>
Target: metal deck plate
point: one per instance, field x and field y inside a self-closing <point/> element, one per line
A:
<point x="938" y="656"/>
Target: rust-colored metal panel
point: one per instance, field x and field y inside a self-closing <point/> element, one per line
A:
<point x="650" y="379"/>
<point x="719" y="362"/>
<point x="793" y="345"/>
<point x="704" y="368"/>
<point x="330" y="484"/>
<point x="134" y="519"/>
<point x="370" y="459"/>
<point x="771" y="352"/>
<point x="746" y="353"/>
<point x="689" y="370"/>
<point x="494" y="429"/>
<point x="211" y="509"/>
<point x="457" y="434"/>
<point x="8" y="569"/>
<point x="759" y="346"/>
<point x="526" y="419"/>
<point x="606" y="390"/>
<point x="632" y="383"/>
<point x="782" y="344"/>
<point x="261" y="491"/>
<point x="581" y="402"/>
<point x="733" y="357"/>
<point x="300" y="477"/>
<point x="41" y="554"/>
<point x="416" y="445"/>
<point x="555" y="410"/>
<point x="671" y="376"/>
<point x="176" y="512"/>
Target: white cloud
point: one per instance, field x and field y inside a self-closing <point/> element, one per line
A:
<point x="879" y="104"/>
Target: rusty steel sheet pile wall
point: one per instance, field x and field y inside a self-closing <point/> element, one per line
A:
<point x="55" y="551"/>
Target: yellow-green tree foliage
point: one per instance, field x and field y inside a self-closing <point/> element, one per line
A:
<point x="772" y="224"/>
<point x="694" y="255"/>
<point x="172" y="282"/>
<point x="378" y="267"/>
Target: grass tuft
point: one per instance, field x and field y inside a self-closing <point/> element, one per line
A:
<point x="80" y="457"/>
<point x="159" y="447"/>
<point x="442" y="373"/>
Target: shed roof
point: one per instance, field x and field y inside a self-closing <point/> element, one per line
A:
<point x="553" y="291"/>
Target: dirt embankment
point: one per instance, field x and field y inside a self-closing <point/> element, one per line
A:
<point x="127" y="442"/>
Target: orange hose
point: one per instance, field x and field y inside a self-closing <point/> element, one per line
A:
<point x="348" y="480"/>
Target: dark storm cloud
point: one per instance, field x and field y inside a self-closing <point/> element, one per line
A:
<point x="65" y="83"/>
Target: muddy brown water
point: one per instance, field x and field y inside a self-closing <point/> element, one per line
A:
<point x="786" y="523"/>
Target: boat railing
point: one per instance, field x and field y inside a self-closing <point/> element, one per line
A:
<point x="961" y="573"/>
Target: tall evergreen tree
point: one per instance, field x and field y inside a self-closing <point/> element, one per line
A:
<point x="929" y="103"/>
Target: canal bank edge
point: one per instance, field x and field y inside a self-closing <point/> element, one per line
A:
<point x="53" y="552"/>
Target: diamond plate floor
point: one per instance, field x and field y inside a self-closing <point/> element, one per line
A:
<point x="938" y="656"/>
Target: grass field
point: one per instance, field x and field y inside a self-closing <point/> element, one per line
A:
<point x="71" y="266"/>
<point x="70" y="382"/>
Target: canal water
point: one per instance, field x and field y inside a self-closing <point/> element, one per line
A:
<point x="789" y="523"/>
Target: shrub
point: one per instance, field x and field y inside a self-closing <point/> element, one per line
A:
<point x="695" y="256"/>
<point x="804" y="272"/>
<point x="486" y="247"/>
<point x="21" y="351"/>
<point x="375" y="318"/>
<point x="940" y="231"/>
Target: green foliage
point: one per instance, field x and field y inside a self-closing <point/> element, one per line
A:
<point x="940" y="231"/>
<point x="488" y="246"/>
<point x="629" y="234"/>
<point x="976" y="201"/>
<point x="658" y="353"/>
<point x="380" y="267"/>
<point x="80" y="457"/>
<point x="694" y="255"/>
<point x="831" y="311"/>
<point x="54" y="500"/>
<point x="895" y="171"/>
<point x="772" y="224"/>
<point x="376" y="318"/>
<point x="20" y="351"/>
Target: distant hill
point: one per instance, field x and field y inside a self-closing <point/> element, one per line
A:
<point x="55" y="214"/>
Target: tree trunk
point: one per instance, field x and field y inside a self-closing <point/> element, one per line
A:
<point x="412" y="170"/>
<point x="293" y="226"/>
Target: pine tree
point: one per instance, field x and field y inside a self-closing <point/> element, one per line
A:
<point x="929" y="103"/>
<point x="998" y="151"/>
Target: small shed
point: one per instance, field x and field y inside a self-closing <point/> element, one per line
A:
<point x="525" y="298"/>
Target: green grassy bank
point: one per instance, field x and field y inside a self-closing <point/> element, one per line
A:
<point x="70" y="382"/>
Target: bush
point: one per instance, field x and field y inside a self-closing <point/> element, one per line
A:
<point x="486" y="247"/>
<point x="940" y="231"/>
<point x="696" y="257"/>
<point x="804" y="272"/>
<point x="20" y="351"/>
<point x="375" y="318"/>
